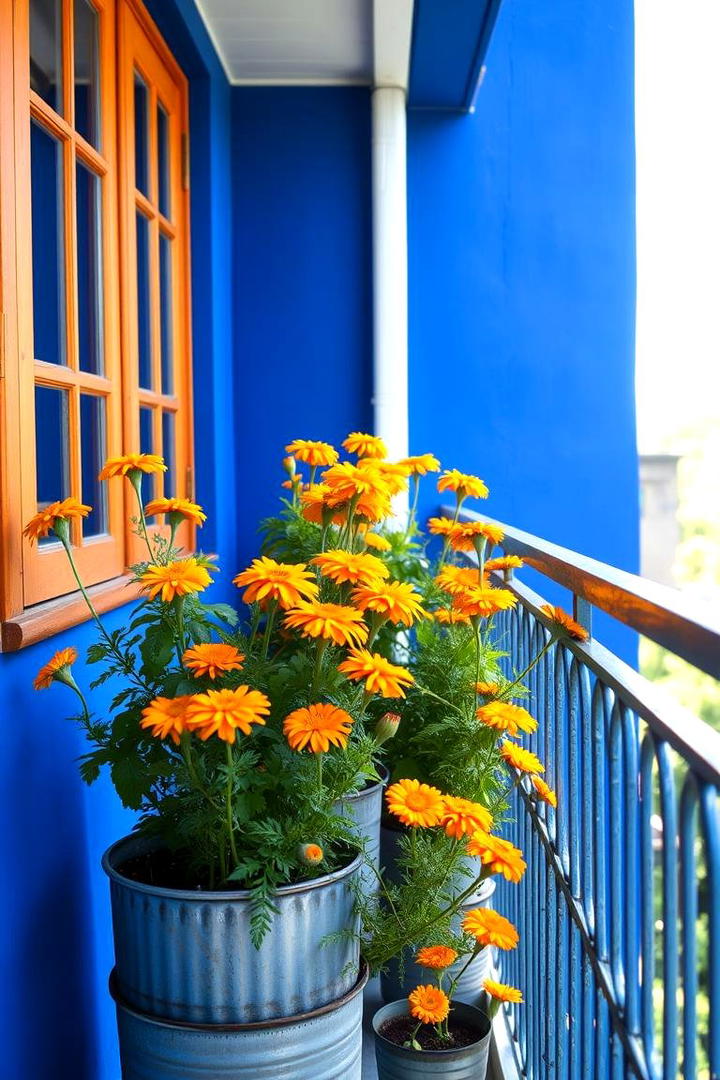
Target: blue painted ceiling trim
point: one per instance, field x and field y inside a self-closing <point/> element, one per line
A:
<point x="449" y="45"/>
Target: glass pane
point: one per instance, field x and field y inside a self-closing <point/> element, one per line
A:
<point x="48" y="246"/>
<point x="147" y="447"/>
<point x="89" y="270"/>
<point x="92" y="456"/>
<point x="46" y="51"/>
<point x="166" y="341"/>
<point x="51" y="446"/>
<point x="142" y="103"/>
<point x="87" y="81"/>
<point x="163" y="135"/>
<point x="143" y="301"/>
<point x="168" y="449"/>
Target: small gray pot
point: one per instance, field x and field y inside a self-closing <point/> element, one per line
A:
<point x="401" y="1063"/>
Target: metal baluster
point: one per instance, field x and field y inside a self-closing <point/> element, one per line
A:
<point x="632" y="914"/>
<point x="670" y="945"/>
<point x="689" y="901"/>
<point x="710" y="825"/>
<point x="617" y="832"/>
<point x="647" y="900"/>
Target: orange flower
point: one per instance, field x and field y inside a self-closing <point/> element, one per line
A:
<point x="503" y="716"/>
<point x="563" y="624"/>
<point x="488" y="689"/>
<point x="57" y="668"/>
<point x="436" y="956"/>
<point x="222" y="712"/>
<point x="313" y="453"/>
<point x="503" y="992"/>
<point x="315" y="508"/>
<point x="455" y="579"/>
<point x="312" y="854"/>
<point x="319" y="727"/>
<point x="421" y="464"/>
<point x="429" y="1004"/>
<point x="166" y="716"/>
<point x="482" y="601"/>
<point x="378" y="543"/>
<point x="178" y="578"/>
<point x="497" y="854"/>
<point x="347" y="481"/>
<point x="440" y="526"/>
<point x="381" y="677"/>
<point x="466" y="534"/>
<point x="462" y="816"/>
<point x="489" y="928"/>
<point x="396" y="601"/>
<point x="45" y="520"/>
<point x="212" y="659"/>
<point x="285" y="583"/>
<point x="393" y="474"/>
<point x="182" y="507"/>
<point x="505" y="562"/>
<point x="343" y="625"/>
<point x="520" y="759"/>
<point x="365" y="446"/>
<point x="443" y="615"/>
<point x="415" y="804"/>
<point x="343" y="566"/>
<point x="138" y="463"/>
<point x="543" y="791"/>
<point x="462" y="484"/>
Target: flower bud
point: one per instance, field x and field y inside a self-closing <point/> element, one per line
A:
<point x="289" y="465"/>
<point x="386" y="727"/>
<point x="312" y="854"/>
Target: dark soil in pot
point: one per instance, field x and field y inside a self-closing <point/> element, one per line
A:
<point x="400" y="1029"/>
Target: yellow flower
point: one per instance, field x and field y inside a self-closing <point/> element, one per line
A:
<point x="482" y="601"/>
<point x="443" y="615"/>
<point x="346" y="566"/>
<point x="520" y="759"/>
<point x="503" y="716"/>
<point x="421" y="464"/>
<point x="179" y="578"/>
<point x="166" y="716"/>
<point x="543" y="791"/>
<point x="313" y="453"/>
<point x="222" y="712"/>
<point x="334" y="622"/>
<point x="489" y="928"/>
<point x="365" y="446"/>
<point x="440" y="526"/>
<point x="212" y="659"/>
<point x="381" y="677"/>
<point x="45" y="520"/>
<point x="462" y="817"/>
<point x="429" y="1004"/>
<point x="285" y="583"/>
<point x="436" y="956"/>
<point x="57" y="668"/>
<point x="396" y="601"/>
<point x="415" y="804"/>
<point x="563" y="624"/>
<point x="464" y="535"/>
<point x="488" y="689"/>
<point x="141" y="463"/>
<point x="182" y="507"/>
<point x="499" y="855"/>
<point x="503" y="992"/>
<point x="455" y="579"/>
<point x="378" y="543"/>
<point x="462" y="484"/>
<point x="505" y="562"/>
<point x="318" y="727"/>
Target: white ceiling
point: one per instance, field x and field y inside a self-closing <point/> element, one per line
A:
<point x="292" y="41"/>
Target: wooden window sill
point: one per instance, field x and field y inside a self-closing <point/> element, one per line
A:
<point x="44" y="620"/>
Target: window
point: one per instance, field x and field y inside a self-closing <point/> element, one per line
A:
<point x="94" y="250"/>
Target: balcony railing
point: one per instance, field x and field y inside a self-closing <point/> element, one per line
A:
<point x="619" y="911"/>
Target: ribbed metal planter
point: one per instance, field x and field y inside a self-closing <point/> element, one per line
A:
<point x="364" y="809"/>
<point x="470" y="985"/>
<point x="187" y="956"/>
<point x="400" y="1063"/>
<point x="324" y="1044"/>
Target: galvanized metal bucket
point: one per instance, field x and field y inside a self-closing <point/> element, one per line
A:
<point x="187" y="956"/>
<point x="364" y="809"/>
<point x="469" y="988"/>
<point x="400" y="1063"/>
<point x="390" y="835"/>
<point x="324" y="1044"/>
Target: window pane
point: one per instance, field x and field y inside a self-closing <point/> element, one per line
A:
<point x="147" y="447"/>
<point x="92" y="456"/>
<point x="163" y="134"/>
<point x="87" y="82"/>
<point x="46" y="51"/>
<point x="142" y="103"/>
<point x="168" y="449"/>
<point x="51" y="445"/>
<point x="89" y="270"/>
<point x="48" y="246"/>
<point x="143" y="301"/>
<point x="166" y="341"/>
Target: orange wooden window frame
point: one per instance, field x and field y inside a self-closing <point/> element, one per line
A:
<point x="37" y="595"/>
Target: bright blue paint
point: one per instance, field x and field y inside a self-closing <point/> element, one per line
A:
<point x="449" y="45"/>
<point x="302" y="299"/>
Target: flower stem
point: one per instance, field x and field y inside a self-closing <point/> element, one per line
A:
<point x="413" y="509"/>
<point x="446" y="545"/>
<point x="228" y="801"/>
<point x="136" y="482"/>
<point x="528" y="669"/>
<point x="272" y="610"/>
<point x="320" y="652"/>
